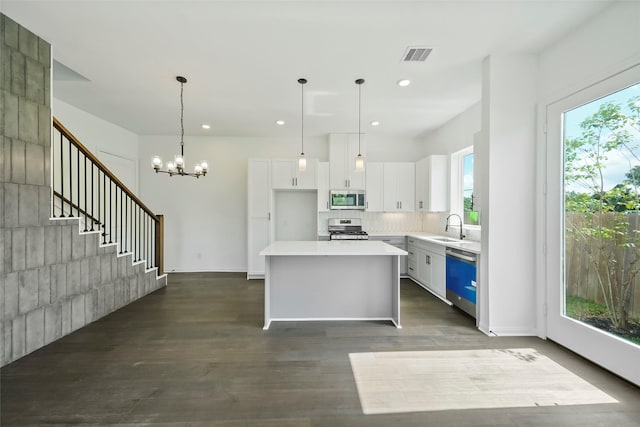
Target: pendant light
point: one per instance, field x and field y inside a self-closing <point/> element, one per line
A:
<point x="177" y="166"/>
<point x="302" y="160"/>
<point x="359" y="157"/>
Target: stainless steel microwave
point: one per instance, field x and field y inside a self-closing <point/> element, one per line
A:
<point x="347" y="199"/>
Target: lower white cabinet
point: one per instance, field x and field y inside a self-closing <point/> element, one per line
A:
<point x="427" y="265"/>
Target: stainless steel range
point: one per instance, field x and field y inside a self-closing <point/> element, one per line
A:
<point x="346" y="229"/>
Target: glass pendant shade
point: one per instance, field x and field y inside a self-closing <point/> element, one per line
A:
<point x="359" y="163"/>
<point x="302" y="163"/>
<point x="171" y="167"/>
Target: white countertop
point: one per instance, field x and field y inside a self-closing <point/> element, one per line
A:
<point x="335" y="247"/>
<point x="465" y="245"/>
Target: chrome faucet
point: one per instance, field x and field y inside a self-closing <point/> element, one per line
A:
<point x="446" y="228"/>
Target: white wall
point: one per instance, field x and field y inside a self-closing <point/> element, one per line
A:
<point x="507" y="284"/>
<point x="98" y="135"/>
<point x="603" y="46"/>
<point x="454" y="135"/>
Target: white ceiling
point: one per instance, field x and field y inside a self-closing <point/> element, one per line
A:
<point x="243" y="59"/>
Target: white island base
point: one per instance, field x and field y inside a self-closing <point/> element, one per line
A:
<point x="334" y="280"/>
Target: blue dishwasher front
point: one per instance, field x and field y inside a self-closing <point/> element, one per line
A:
<point x="461" y="280"/>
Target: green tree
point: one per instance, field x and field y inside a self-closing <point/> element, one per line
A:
<point x="600" y="216"/>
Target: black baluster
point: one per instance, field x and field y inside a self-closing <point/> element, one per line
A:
<point x="153" y="243"/>
<point x="93" y="218"/>
<point x="146" y="241"/>
<point x="61" y="176"/>
<point x="110" y="210"/>
<point x="70" y="183"/>
<point x="86" y="210"/>
<point x="78" y="179"/>
<point x="121" y="243"/>
<point x="104" y="208"/>
<point x="136" y="229"/>
<point x="126" y="221"/>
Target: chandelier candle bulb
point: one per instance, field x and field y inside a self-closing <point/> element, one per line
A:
<point x="156" y="162"/>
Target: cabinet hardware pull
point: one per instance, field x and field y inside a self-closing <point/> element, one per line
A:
<point x="327" y="205"/>
<point x="268" y="216"/>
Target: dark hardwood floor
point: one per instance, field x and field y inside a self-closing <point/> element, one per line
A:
<point x="195" y="354"/>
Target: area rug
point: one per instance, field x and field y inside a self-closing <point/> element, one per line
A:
<point x="410" y="381"/>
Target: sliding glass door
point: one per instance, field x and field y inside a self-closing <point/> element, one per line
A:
<point x="593" y="223"/>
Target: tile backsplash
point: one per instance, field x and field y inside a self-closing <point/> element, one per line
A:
<point x="375" y="221"/>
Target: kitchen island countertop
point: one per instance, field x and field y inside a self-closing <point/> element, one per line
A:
<point x="334" y="247"/>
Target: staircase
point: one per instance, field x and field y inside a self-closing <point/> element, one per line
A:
<point x="84" y="252"/>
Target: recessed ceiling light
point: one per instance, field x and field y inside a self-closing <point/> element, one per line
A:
<point x="375" y="123"/>
<point x="280" y="122"/>
<point x="206" y="126"/>
<point x="404" y="82"/>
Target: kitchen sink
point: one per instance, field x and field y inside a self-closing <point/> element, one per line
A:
<point x="446" y="239"/>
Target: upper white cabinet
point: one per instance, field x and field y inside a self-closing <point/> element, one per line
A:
<point x="343" y="149"/>
<point x="285" y="175"/>
<point x="323" y="186"/>
<point x="399" y="187"/>
<point x="374" y="197"/>
<point x="432" y="184"/>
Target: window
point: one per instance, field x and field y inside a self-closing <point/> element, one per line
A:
<point x="463" y="201"/>
<point x="470" y="216"/>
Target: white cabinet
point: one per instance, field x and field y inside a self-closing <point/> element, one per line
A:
<point x="374" y="188"/>
<point x="323" y="186"/>
<point x="432" y="184"/>
<point x="399" y="187"/>
<point x="259" y="214"/>
<point x="343" y="149"/>
<point x="427" y="265"/>
<point x="285" y="175"/>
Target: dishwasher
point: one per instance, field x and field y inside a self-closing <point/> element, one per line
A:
<point x="461" y="279"/>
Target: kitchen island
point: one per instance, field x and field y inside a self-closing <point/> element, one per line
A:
<point x="332" y="280"/>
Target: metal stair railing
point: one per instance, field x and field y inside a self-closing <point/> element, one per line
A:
<point x="84" y="188"/>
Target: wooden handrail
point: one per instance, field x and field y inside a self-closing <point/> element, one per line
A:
<point x="102" y="167"/>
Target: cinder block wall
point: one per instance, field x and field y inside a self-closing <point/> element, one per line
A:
<point x="53" y="279"/>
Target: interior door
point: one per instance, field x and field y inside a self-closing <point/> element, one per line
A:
<point x="591" y="222"/>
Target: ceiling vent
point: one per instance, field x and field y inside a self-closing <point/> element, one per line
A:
<point x="416" y="54"/>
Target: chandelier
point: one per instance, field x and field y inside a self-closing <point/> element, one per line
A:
<point x="177" y="166"/>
